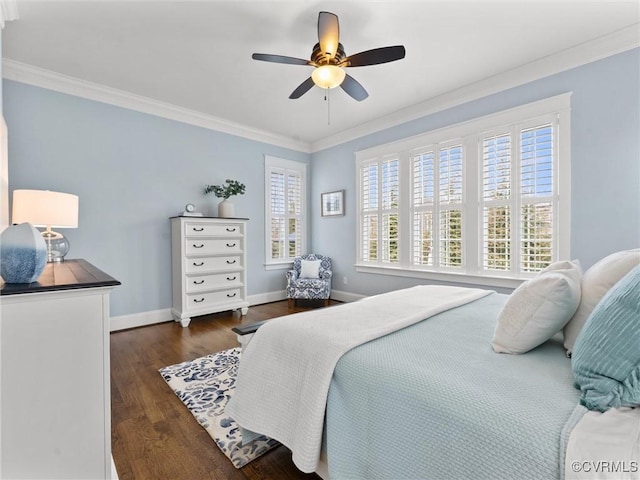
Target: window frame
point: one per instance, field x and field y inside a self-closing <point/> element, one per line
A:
<point x="272" y="164"/>
<point x="470" y="135"/>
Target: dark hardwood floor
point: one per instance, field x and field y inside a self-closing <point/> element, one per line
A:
<point x="154" y="436"/>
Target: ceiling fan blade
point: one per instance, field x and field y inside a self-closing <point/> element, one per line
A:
<point x="328" y="33"/>
<point x="267" y="57"/>
<point x="353" y="88"/>
<point x="303" y="88"/>
<point x="374" y="57"/>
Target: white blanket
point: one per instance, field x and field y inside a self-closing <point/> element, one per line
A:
<point x="286" y="370"/>
<point x="605" y="446"/>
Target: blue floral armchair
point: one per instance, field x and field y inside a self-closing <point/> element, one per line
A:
<point x="310" y="278"/>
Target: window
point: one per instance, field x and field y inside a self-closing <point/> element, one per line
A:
<point x="285" y="192"/>
<point x="480" y="200"/>
<point x="518" y="197"/>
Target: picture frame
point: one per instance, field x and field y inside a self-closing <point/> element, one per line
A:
<point x="332" y="203"/>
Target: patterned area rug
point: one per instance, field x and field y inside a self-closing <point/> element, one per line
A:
<point x="205" y="385"/>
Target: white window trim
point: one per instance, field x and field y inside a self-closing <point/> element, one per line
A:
<point x="470" y="131"/>
<point x="275" y="162"/>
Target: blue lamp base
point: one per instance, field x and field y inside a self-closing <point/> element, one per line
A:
<point x="23" y="254"/>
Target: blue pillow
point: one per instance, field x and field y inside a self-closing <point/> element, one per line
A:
<point x="606" y="355"/>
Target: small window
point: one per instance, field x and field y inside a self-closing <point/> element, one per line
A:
<point x="285" y="190"/>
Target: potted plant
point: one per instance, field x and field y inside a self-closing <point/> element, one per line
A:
<point x="228" y="189"/>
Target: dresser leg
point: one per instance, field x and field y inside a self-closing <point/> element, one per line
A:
<point x="244" y="310"/>
<point x="185" y="322"/>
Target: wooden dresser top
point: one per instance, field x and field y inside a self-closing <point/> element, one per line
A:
<point x="67" y="275"/>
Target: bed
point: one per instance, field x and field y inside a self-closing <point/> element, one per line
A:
<point x="471" y="412"/>
<point x="424" y="396"/>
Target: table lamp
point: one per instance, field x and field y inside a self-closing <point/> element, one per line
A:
<point x="43" y="208"/>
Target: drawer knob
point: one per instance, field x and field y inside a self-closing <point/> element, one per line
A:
<point x="231" y="279"/>
<point x="198" y="264"/>
<point x="198" y="282"/>
<point x="231" y="229"/>
<point x="198" y="301"/>
<point x="198" y="229"/>
<point x="231" y="245"/>
<point x="231" y="295"/>
<point x="198" y="246"/>
<point x="231" y="262"/>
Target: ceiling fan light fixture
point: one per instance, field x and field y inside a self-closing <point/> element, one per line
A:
<point x="329" y="59"/>
<point x="328" y="76"/>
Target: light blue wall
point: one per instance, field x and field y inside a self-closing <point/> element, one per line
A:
<point x="133" y="171"/>
<point x="605" y="149"/>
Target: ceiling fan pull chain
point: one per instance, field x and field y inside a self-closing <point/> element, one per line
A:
<point x="328" y="99"/>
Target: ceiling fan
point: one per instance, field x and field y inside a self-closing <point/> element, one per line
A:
<point x="329" y="60"/>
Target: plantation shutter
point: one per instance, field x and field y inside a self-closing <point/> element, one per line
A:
<point x="450" y="198"/>
<point x="369" y="214"/>
<point x="277" y="202"/>
<point x="487" y="198"/>
<point x="496" y="201"/>
<point x="518" y="197"/>
<point x="379" y="204"/>
<point x="294" y="202"/>
<point x="537" y="197"/>
<point x="423" y="186"/>
<point x="286" y="216"/>
<point x="390" y="199"/>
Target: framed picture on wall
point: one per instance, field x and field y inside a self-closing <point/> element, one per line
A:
<point x="332" y="203"/>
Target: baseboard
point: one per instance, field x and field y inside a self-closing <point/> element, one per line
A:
<point x="268" y="297"/>
<point x="133" y="320"/>
<point x="346" y="296"/>
<point x="122" y="322"/>
<point x="114" y="472"/>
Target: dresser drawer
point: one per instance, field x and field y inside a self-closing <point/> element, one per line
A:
<point x="212" y="264"/>
<point x="200" y="300"/>
<point x="200" y="283"/>
<point x="201" y="229"/>
<point x="208" y="246"/>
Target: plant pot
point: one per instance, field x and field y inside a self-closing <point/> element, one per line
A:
<point x="226" y="209"/>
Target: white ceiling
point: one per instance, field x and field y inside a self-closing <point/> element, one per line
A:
<point x="197" y="55"/>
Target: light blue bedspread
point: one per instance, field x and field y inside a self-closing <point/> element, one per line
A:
<point x="433" y="401"/>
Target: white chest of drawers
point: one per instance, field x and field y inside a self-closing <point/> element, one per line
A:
<point x="208" y="263"/>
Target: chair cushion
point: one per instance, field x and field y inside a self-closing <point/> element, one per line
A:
<point x="310" y="268"/>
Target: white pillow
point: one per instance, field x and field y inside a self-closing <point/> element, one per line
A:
<point x="538" y="308"/>
<point x="309" y="268"/>
<point x="597" y="281"/>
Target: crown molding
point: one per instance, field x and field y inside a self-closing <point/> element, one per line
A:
<point x="8" y="11"/>
<point x="40" y="77"/>
<point x="606" y="46"/>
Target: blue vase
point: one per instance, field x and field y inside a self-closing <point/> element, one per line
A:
<point x="23" y="254"/>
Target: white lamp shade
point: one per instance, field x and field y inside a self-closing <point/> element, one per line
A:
<point x="43" y="208"/>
